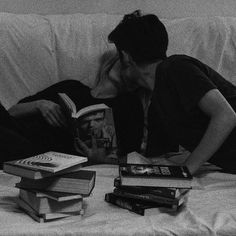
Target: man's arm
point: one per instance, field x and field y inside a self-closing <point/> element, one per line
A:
<point x="49" y="110"/>
<point x="222" y="122"/>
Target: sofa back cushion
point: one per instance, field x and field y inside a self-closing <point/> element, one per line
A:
<point x="37" y="51"/>
<point x="27" y="56"/>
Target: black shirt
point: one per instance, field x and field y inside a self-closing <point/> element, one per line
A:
<point x="181" y="81"/>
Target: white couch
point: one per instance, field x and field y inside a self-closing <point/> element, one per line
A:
<point x="37" y="51"/>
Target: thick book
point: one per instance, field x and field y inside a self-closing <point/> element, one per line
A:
<point x="41" y="218"/>
<point x="92" y="127"/>
<point x="44" y="205"/>
<point x="51" y="162"/>
<point x="57" y="196"/>
<point x="159" y="191"/>
<point x="155" y="175"/>
<point x="12" y="168"/>
<point x="80" y="182"/>
<point x="149" y="197"/>
<point x="134" y="205"/>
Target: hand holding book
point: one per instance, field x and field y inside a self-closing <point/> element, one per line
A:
<point x="93" y="153"/>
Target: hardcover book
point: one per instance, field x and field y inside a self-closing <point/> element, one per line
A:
<point x="155" y="175"/>
<point x="92" y="127"/>
<point x="11" y="167"/>
<point x="80" y="182"/>
<point x="44" y="205"/>
<point x="47" y="162"/>
<point x="41" y="218"/>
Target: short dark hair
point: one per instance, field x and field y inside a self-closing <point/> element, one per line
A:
<point x="144" y="37"/>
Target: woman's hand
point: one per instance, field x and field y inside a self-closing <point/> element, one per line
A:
<point x="94" y="154"/>
<point x="51" y="112"/>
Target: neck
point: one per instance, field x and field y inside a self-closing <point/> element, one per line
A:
<point x="149" y="75"/>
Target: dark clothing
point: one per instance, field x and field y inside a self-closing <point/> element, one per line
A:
<point x="181" y="81"/>
<point x="33" y="134"/>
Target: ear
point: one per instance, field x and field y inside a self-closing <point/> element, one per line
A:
<point x="127" y="58"/>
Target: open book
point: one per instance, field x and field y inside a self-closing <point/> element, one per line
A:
<point x="93" y="128"/>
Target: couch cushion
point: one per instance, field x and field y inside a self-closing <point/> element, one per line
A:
<point x="37" y="51"/>
<point x="27" y="59"/>
<point x="81" y="39"/>
<point x="210" y="39"/>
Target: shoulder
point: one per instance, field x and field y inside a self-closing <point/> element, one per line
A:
<point x="178" y="67"/>
<point x="178" y="61"/>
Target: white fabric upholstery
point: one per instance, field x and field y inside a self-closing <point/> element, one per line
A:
<point x="37" y="51"/>
<point x="27" y="58"/>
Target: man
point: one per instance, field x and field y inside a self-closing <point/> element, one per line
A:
<point x="96" y="138"/>
<point x="189" y="103"/>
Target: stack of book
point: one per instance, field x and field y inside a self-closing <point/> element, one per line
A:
<point x="52" y="184"/>
<point x="143" y="186"/>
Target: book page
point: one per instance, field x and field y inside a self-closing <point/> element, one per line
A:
<point x="67" y="104"/>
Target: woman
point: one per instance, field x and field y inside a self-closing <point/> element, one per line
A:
<point x="37" y="123"/>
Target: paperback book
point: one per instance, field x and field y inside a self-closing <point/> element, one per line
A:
<point x="12" y="167"/>
<point x="92" y="127"/>
<point x="51" y="162"/>
<point x="149" y="197"/>
<point x="159" y="191"/>
<point x="155" y="175"/>
<point x="134" y="205"/>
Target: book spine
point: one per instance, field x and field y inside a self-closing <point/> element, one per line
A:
<point x="146" y="197"/>
<point x="123" y="203"/>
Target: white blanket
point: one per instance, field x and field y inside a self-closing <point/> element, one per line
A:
<point x="209" y="211"/>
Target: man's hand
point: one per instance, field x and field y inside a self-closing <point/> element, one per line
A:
<point x="52" y="113"/>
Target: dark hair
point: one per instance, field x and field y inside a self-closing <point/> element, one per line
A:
<point x="144" y="37"/>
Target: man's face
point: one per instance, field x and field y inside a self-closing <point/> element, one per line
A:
<point x="93" y="124"/>
<point x="129" y="74"/>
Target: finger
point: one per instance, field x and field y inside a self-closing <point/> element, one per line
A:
<point x="52" y="120"/>
<point x="61" y="116"/>
<point x="94" y="142"/>
<point x="82" y="146"/>
<point x="57" y="117"/>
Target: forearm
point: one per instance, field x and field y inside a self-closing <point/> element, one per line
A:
<point x="24" y="109"/>
<point x="218" y="130"/>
